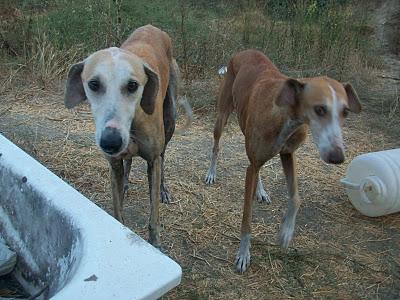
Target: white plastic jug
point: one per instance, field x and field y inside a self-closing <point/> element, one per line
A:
<point x="373" y="183"/>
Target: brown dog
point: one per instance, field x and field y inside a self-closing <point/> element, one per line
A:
<point x="274" y="112"/>
<point x="131" y="91"/>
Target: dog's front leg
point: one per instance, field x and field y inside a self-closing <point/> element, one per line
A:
<point x="289" y="220"/>
<point x="243" y="256"/>
<point x="154" y="177"/>
<point x="117" y="186"/>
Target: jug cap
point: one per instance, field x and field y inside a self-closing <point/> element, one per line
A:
<point x="372" y="189"/>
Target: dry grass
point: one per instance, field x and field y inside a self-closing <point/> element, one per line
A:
<point x="337" y="253"/>
<point x="47" y="62"/>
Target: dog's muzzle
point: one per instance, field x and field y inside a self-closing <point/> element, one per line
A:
<point x="111" y="141"/>
<point x="335" y="156"/>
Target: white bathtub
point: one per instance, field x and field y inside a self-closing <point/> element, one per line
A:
<point x="69" y="247"/>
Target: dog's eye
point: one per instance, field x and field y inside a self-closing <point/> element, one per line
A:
<point x="346" y="112"/>
<point x="320" y="110"/>
<point x="132" y="86"/>
<point x="94" y="85"/>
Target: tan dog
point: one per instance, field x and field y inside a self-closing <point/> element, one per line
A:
<point x="131" y="91"/>
<point x="274" y="112"/>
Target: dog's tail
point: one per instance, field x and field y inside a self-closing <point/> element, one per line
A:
<point x="182" y="100"/>
<point x="187" y="108"/>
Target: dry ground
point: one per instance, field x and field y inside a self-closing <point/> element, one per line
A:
<point x="337" y="252"/>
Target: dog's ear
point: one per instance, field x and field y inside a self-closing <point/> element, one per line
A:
<point x="74" y="92"/>
<point x="150" y="91"/>
<point x="352" y="97"/>
<point x="289" y="93"/>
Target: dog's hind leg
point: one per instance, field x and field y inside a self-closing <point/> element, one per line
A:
<point x="169" y="117"/>
<point x="289" y="220"/>
<point x="127" y="170"/>
<point x="224" y="109"/>
<point x="261" y="194"/>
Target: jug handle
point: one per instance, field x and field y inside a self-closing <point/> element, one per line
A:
<point x="349" y="185"/>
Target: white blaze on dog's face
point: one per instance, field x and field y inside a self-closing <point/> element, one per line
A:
<point x="115" y="83"/>
<point x="326" y="104"/>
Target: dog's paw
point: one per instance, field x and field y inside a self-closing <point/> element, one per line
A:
<point x="286" y="234"/>
<point x="210" y="177"/>
<point x="154" y="238"/>
<point x="119" y="218"/>
<point x="262" y="196"/>
<point x="126" y="187"/>
<point x="165" y="196"/>
<point x="242" y="261"/>
<point x="158" y="247"/>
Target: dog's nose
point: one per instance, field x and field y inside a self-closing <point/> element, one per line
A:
<point x="111" y="140"/>
<point x="336" y="156"/>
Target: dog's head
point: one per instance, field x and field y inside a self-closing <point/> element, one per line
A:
<point x="323" y="103"/>
<point x="115" y="83"/>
